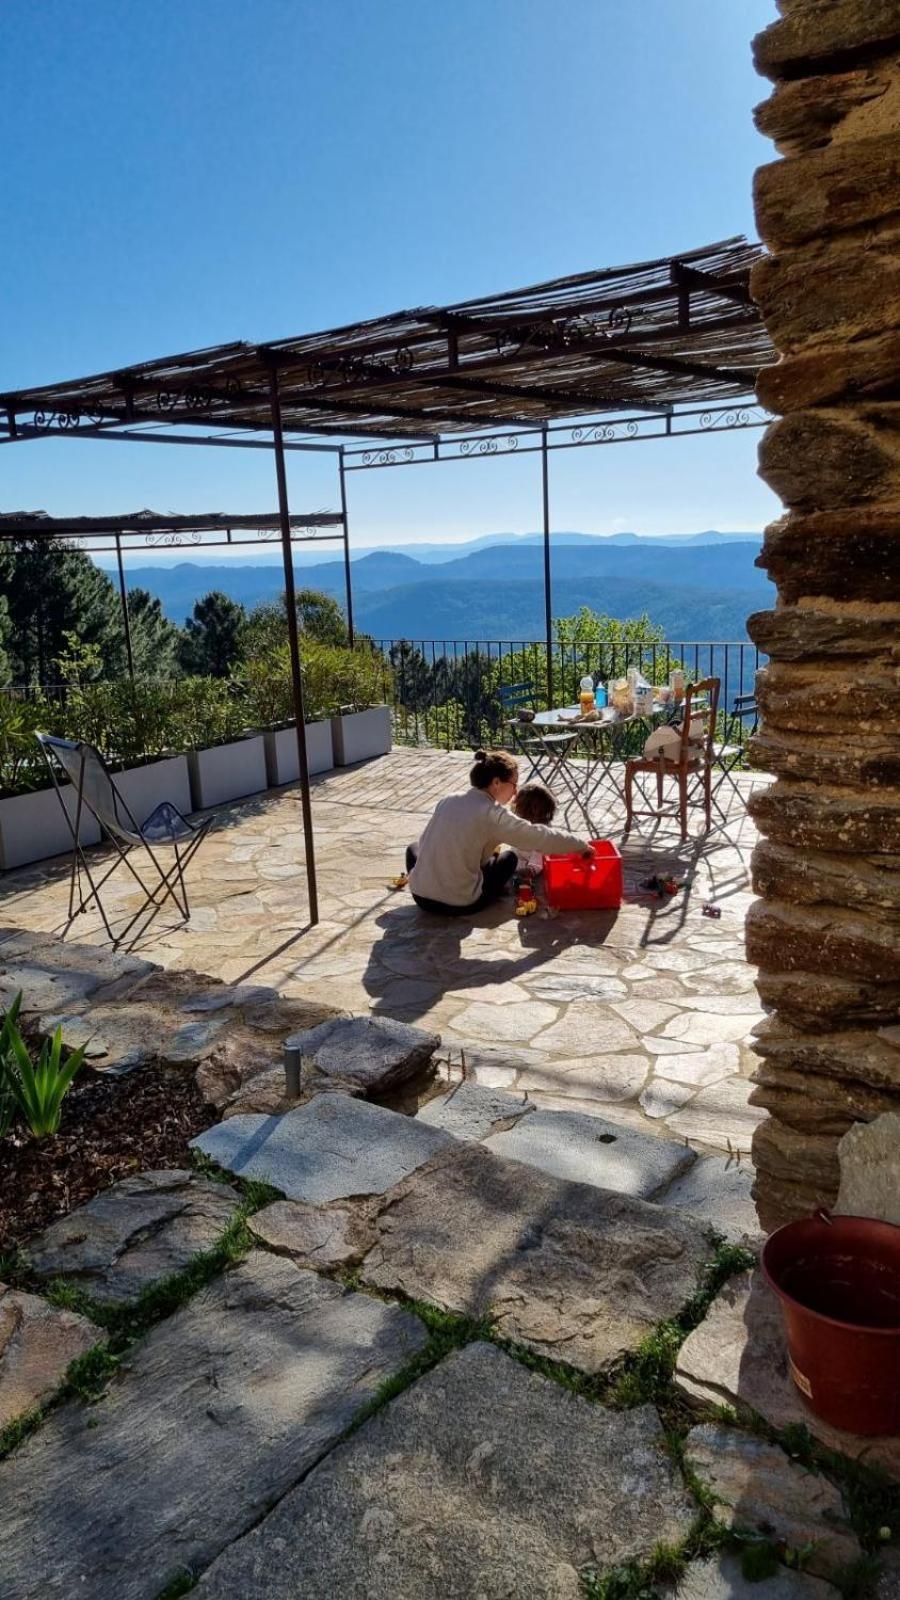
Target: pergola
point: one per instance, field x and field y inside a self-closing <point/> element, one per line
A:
<point x="140" y="530"/>
<point x="644" y="351"/>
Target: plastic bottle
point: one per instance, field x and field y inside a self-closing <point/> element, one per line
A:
<point x="600" y="696"/>
<point x="587" y="694"/>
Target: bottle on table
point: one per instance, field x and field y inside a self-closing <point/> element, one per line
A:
<point x="586" y="697"/>
<point x="600" y="696"/>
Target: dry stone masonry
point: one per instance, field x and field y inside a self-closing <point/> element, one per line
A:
<point x="824" y="930"/>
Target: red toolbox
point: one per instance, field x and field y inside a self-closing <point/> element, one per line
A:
<point x="574" y="883"/>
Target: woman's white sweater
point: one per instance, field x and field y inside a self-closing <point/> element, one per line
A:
<point x="463" y="834"/>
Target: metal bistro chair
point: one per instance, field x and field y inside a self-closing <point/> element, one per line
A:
<point x="690" y="763"/>
<point x="727" y="756"/>
<point x="96" y="791"/>
<point x="542" y="747"/>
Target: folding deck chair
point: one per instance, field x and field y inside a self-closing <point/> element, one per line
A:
<point x="95" y="791"/>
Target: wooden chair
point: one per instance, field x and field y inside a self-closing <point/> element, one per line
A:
<point x="691" y="764"/>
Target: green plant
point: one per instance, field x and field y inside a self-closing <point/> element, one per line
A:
<point x="207" y="711"/>
<point x="264" y="683"/>
<point x="36" y="1089"/>
<point x="337" y="678"/>
<point x="22" y="766"/>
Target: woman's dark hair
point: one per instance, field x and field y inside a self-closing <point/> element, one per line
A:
<point x="491" y="764"/>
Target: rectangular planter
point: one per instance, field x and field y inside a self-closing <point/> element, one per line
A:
<point x="282" y="759"/>
<point x="143" y="788"/>
<point x="227" y="772"/>
<point x="33" y="827"/>
<point x="359" y="735"/>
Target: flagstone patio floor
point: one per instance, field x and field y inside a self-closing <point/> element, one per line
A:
<point x="644" y="1016"/>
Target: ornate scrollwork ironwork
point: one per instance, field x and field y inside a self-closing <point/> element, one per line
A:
<point x="605" y="432"/>
<point x="490" y="446"/>
<point x="196" y="399"/>
<point x="737" y="417"/>
<point x="56" y="419"/>
<point x="562" y="333"/>
<point x="350" y="368"/>
<point x="174" y="536"/>
<point x="387" y="458"/>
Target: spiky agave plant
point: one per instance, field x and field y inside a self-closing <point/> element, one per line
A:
<point x="37" y="1088"/>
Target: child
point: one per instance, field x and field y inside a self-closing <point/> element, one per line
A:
<point x="534" y="803"/>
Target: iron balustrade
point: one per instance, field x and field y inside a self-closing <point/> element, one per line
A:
<point x="445" y="693"/>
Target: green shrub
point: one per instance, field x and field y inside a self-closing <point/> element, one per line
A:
<point x="264" y="684"/>
<point x="208" y="711"/>
<point x="337" y="678"/>
<point x="22" y="767"/>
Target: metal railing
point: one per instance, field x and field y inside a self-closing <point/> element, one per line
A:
<point x="446" y="692"/>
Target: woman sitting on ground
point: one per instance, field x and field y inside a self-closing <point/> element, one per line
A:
<point x="458" y="867"/>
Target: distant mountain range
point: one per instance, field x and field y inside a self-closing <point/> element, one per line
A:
<point x="697" y="586"/>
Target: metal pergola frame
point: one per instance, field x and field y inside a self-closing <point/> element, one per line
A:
<point x="654" y="350"/>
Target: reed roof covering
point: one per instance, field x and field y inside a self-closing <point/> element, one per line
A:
<point x="681" y="330"/>
<point x="38" y="525"/>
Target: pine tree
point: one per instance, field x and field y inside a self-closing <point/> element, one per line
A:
<point x="155" y="641"/>
<point x="51" y="589"/>
<point x="211" y="642"/>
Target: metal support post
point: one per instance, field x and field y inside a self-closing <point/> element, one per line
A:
<point x="294" y="642"/>
<point x="125" y="619"/>
<point x="548" y="597"/>
<point x="347" y="579"/>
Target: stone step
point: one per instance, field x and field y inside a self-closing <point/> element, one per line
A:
<point x="37" y="1343"/>
<point x="482" y="1479"/>
<point x="738" y="1356"/>
<point x="135" y="1233"/>
<point x="222" y="1409"/>
<point x="756" y="1486"/>
<point x="720" y="1578"/>
<point x="576" y="1146"/>
<point x="331" y="1148"/>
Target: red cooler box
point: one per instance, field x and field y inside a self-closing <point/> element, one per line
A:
<point x="573" y="883"/>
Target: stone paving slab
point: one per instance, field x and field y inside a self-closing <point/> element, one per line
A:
<point x="720" y="1578"/>
<point x="135" y="1232"/>
<point x="37" y="1343"/>
<point x="738" y="1356"/>
<point x="221" y="1409"/>
<point x="372" y="1052"/>
<point x="719" y="1115"/>
<point x="471" y="1111"/>
<point x="481" y="1480"/>
<point x="588" y="1149"/>
<point x="718" y="1190"/>
<point x="573" y="1272"/>
<point x="332" y="1148"/>
<point x="322" y="1237"/>
<point x="55" y="975"/>
<point x="757" y="1486"/>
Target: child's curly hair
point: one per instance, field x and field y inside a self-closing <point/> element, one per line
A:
<point x="534" y="803"/>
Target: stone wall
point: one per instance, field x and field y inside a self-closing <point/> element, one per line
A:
<point x="825" y="933"/>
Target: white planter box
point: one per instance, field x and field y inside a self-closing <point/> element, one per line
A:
<point x="227" y="772"/>
<point x="282" y="760"/>
<point x="360" y="735"/>
<point x="32" y="827"/>
<point x="143" y="788"/>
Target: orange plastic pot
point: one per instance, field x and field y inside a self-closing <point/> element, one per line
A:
<point x="838" y="1280"/>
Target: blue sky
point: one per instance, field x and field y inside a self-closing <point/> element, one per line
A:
<point x="185" y="172"/>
